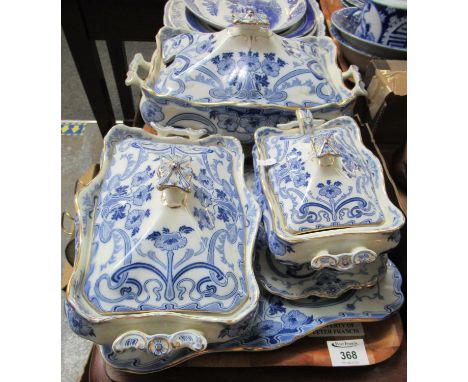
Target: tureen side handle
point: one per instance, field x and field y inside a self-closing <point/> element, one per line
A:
<point x="160" y="345"/>
<point x="132" y="74"/>
<point x="359" y="88"/>
<point x="344" y="261"/>
<point x="187" y="132"/>
<point x="71" y="230"/>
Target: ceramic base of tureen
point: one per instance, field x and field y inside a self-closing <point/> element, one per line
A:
<point x="280" y="322"/>
<point x="295" y="282"/>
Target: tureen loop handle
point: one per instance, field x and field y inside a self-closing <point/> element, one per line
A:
<point x="344" y="261"/>
<point x="305" y="120"/>
<point x="160" y="345"/>
<point x="66" y="231"/>
<point x="169" y="131"/>
<point x="324" y="146"/>
<point x="132" y="75"/>
<point x="359" y="88"/>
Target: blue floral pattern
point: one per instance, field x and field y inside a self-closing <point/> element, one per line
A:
<point x="141" y="263"/>
<point x="77" y="323"/>
<point x="346" y="200"/>
<point x="279" y="322"/>
<point x="296" y="281"/>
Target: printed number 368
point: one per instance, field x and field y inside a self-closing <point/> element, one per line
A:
<point x="348" y="355"/>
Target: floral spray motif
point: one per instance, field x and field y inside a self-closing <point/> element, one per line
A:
<point x="170" y="242"/>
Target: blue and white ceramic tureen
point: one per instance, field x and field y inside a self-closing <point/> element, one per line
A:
<point x="279" y="322"/>
<point x="322" y="195"/>
<point x="244" y="77"/>
<point x="165" y="239"/>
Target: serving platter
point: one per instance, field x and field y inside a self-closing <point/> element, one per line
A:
<point x="280" y="322"/>
<point x="280" y="14"/>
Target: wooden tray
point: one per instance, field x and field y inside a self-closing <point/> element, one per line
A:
<point x="382" y="340"/>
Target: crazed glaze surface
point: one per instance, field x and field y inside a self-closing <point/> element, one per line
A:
<point x="281" y="14"/>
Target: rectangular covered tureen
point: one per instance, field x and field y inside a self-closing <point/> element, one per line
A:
<point x="241" y="78"/>
<point x="323" y="195"/>
<point x="164" y="244"/>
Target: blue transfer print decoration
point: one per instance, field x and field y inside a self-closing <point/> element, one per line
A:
<point x="142" y="262"/>
<point x="348" y="198"/>
<point x="77" y="323"/>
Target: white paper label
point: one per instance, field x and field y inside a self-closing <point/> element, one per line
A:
<point x="347" y="329"/>
<point x="348" y="352"/>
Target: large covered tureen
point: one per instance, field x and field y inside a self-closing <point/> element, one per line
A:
<point x="241" y="78"/>
<point x="323" y="195"/>
<point x="164" y="244"/>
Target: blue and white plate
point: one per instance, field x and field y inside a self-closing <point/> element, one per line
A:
<point x="176" y="15"/>
<point x="347" y="20"/>
<point x="305" y="26"/>
<point x="352" y="54"/>
<point x="280" y="322"/>
<point x="282" y="14"/>
<point x="352" y="3"/>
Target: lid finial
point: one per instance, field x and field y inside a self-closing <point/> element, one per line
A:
<point x="174" y="179"/>
<point x="250" y="17"/>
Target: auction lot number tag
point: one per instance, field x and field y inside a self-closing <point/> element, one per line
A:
<point x="348" y="352"/>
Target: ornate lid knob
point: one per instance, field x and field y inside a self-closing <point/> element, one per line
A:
<point x="323" y="143"/>
<point x="174" y="179"/>
<point x="325" y="148"/>
<point x="250" y="17"/>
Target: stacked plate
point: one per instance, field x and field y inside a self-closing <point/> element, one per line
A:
<point x="348" y="25"/>
<point x="352" y="3"/>
<point x="296" y="18"/>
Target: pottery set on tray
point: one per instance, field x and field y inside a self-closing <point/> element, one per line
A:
<point x="179" y="252"/>
<point x="371" y="29"/>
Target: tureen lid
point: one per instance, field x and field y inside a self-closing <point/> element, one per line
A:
<point x="318" y="177"/>
<point x="168" y="229"/>
<point x="247" y="64"/>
